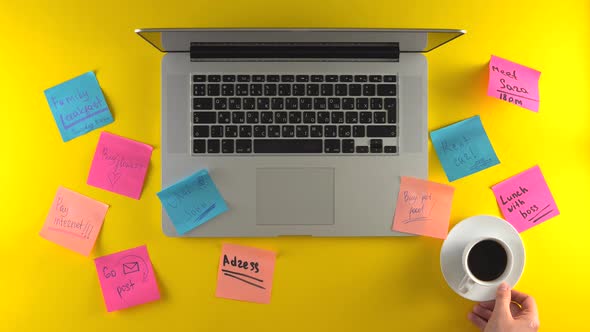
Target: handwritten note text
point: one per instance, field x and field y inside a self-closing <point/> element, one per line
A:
<point x="74" y="221"/>
<point x="245" y="273"/>
<point x="78" y="106"/>
<point x="464" y="148"/>
<point x="192" y="201"/>
<point x="127" y="278"/>
<point x="423" y="208"/>
<point x="514" y="83"/>
<point x="120" y="165"/>
<point x="525" y="199"/>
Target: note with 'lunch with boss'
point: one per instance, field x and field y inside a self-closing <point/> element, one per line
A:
<point x="525" y="199"/>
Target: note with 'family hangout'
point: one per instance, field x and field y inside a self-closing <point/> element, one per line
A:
<point x="464" y="148"/>
<point x="74" y="221"/>
<point x="78" y="106"/>
<point x="192" y="201"/>
<point x="525" y="199"/>
<point x="120" y="165"/>
<point x="423" y="208"/>
<point x="514" y="83"/>
<point x="127" y="278"/>
<point x="245" y="273"/>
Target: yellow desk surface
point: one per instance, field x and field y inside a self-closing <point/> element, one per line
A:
<point x="341" y="284"/>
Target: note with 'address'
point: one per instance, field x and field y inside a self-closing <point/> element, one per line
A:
<point x="245" y="273"/>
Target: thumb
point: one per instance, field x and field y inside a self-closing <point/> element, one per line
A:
<point x="503" y="298"/>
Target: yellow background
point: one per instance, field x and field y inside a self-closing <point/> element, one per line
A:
<point x="344" y="284"/>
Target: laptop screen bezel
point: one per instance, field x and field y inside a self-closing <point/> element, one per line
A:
<point x="409" y="40"/>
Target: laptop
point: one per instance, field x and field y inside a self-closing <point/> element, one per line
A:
<point x="305" y="132"/>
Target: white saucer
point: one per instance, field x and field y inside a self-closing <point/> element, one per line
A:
<point x="468" y="230"/>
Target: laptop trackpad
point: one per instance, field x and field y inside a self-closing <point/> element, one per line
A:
<point x="295" y="196"/>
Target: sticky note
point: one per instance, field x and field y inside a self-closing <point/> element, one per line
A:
<point x="525" y="199"/>
<point x="74" y="221"/>
<point x="464" y="148"/>
<point x="119" y="165"/>
<point x="423" y="208"/>
<point x="127" y="278"/>
<point x="192" y="201"/>
<point x="245" y="273"/>
<point x="514" y="83"/>
<point x="78" y="106"/>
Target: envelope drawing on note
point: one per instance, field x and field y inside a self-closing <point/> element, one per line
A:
<point x="130" y="267"/>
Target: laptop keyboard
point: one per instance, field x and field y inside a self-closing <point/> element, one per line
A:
<point x="294" y="114"/>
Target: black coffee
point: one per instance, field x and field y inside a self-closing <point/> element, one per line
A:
<point x="487" y="260"/>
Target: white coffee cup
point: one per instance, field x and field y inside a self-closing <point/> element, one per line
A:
<point x="469" y="280"/>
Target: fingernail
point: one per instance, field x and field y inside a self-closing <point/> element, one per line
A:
<point x="503" y="286"/>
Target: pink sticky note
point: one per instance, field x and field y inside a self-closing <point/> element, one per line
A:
<point x="525" y="199"/>
<point x="127" y="278"/>
<point x="423" y="208"/>
<point x="74" y="221"/>
<point x="245" y="273"/>
<point x="120" y="165"/>
<point x="514" y="83"/>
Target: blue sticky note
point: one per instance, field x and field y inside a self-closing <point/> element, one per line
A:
<point x="192" y="201"/>
<point x="78" y="106"/>
<point x="464" y="148"/>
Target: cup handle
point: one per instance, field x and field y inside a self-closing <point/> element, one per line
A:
<point x="466" y="284"/>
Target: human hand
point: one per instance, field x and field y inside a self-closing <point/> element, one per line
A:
<point x="512" y="311"/>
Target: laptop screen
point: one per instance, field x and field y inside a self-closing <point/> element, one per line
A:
<point x="408" y="40"/>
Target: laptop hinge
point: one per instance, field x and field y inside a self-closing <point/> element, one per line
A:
<point x="295" y="52"/>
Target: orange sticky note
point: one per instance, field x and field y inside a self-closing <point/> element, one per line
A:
<point x="74" y="221"/>
<point x="245" y="273"/>
<point x="423" y="208"/>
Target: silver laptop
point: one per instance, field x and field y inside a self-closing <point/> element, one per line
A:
<point x="304" y="131"/>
